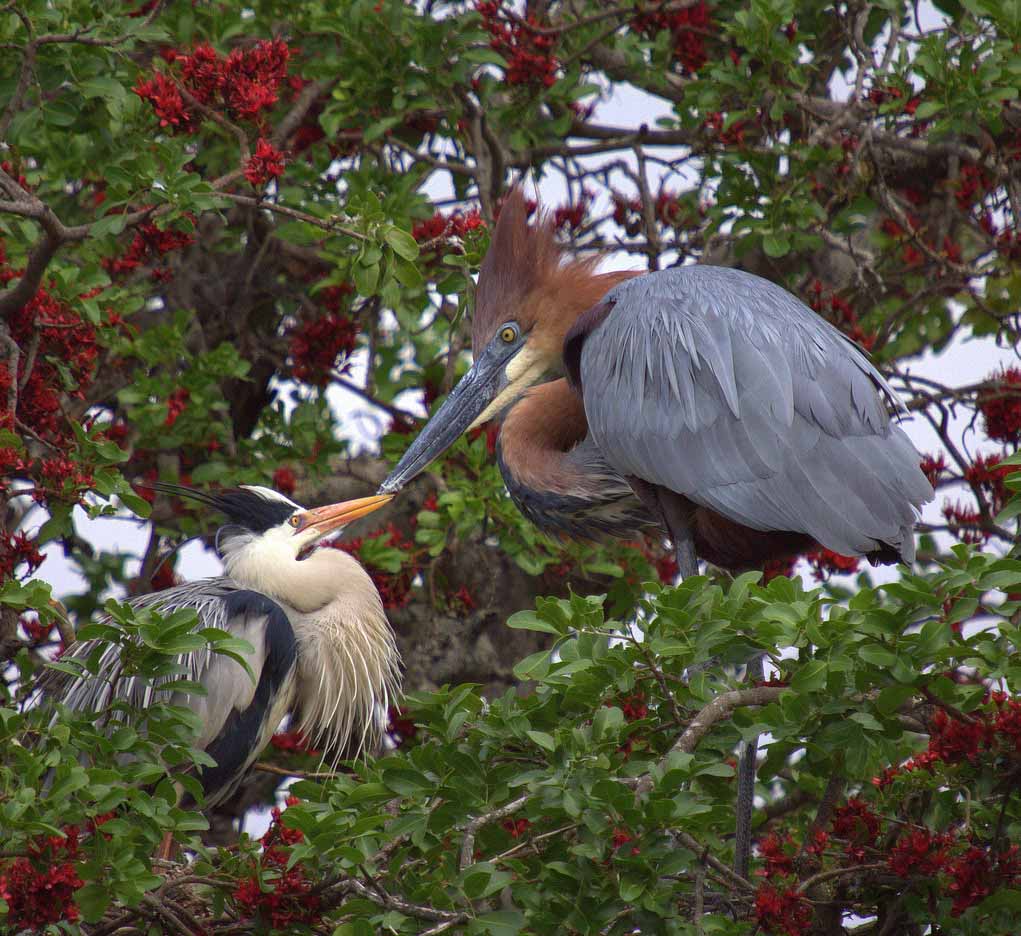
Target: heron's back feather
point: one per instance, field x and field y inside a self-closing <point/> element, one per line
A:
<point x="723" y="387"/>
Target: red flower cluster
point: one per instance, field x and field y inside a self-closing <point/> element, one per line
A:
<point x="629" y="213"/>
<point x="246" y="83"/>
<point x="266" y="164"/>
<point x="177" y="403"/>
<point x="516" y="827"/>
<point x="400" y="724"/>
<point x="621" y="836"/>
<point x="150" y="243"/>
<point x="972" y="184"/>
<point x="317" y="346"/>
<point x="858" y="824"/>
<point x="572" y="216"/>
<point x="394" y="587"/>
<point x="633" y="706"/>
<point x="987" y="473"/>
<point x="778" y="852"/>
<point x="974" y="875"/>
<point x="39" y="890"/>
<point x="782" y="911"/>
<point x="964" y="522"/>
<point x="825" y="562"/>
<point x="920" y="852"/>
<point x="292" y="742"/>
<point x="773" y="568"/>
<point x="284" y="480"/>
<point x="527" y="49"/>
<point x="732" y="135"/>
<point x="933" y="466"/>
<point x="17" y="549"/>
<point x="438" y="226"/>
<point x="688" y="27"/>
<point x="1000" y="406"/>
<point x="291" y="901"/>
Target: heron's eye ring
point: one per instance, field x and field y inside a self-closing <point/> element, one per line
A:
<point x="294" y="520"/>
<point x="508" y="334"/>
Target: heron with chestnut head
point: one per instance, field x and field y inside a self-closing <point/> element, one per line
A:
<point x="702" y="400"/>
<point x="322" y="645"/>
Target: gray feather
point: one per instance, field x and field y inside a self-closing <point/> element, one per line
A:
<point x="738" y="396"/>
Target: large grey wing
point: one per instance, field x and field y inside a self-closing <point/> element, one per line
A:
<point x="723" y="387"/>
<point x="237" y="712"/>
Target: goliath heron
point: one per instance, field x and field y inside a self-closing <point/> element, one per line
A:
<point x="322" y="643"/>
<point x="702" y="399"/>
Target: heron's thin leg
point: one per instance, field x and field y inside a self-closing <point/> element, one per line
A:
<point x="746" y="785"/>
<point x="687" y="561"/>
<point x="674" y="512"/>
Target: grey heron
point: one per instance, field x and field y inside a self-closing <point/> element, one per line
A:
<point x="704" y="400"/>
<point x="322" y="644"/>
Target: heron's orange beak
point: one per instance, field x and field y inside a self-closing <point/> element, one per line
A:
<point x="325" y="520"/>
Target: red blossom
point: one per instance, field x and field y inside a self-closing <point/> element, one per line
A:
<point x="284" y="480"/>
<point x="858" y="824"/>
<point x="773" y="568"/>
<point x="516" y="827"/>
<point x="289" y="899"/>
<point x="166" y="100"/>
<point x="292" y="742"/>
<point x="919" y="852"/>
<point x="318" y="346"/>
<point x="394" y="587"/>
<point x="826" y="562"/>
<point x="266" y="164"/>
<point x="965" y="522"/>
<point x="525" y="45"/>
<point x="778" y="852"/>
<point x="177" y="403"/>
<point x="933" y="466"/>
<point x="17" y="549"/>
<point x="1000" y="406"/>
<point x="782" y="911"/>
<point x="400" y="724"/>
<point x="687" y="27"/>
<point x="39" y="890"/>
<point x="440" y="226"/>
<point x="634" y="706"/>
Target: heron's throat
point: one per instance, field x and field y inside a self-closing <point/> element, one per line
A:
<point x="530" y="366"/>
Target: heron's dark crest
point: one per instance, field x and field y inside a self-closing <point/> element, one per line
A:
<point x="256" y="509"/>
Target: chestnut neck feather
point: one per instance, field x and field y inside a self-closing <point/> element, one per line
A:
<point x="538" y="432"/>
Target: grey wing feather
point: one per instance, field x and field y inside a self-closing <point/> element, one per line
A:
<point x="723" y="387"/>
<point x="229" y="687"/>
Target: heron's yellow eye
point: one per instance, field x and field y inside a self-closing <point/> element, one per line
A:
<point x="508" y="334"/>
<point x="294" y="520"/>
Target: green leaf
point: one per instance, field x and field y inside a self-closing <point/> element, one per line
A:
<point x="529" y="620"/>
<point x="92" y="900"/>
<point x="544" y="740"/>
<point x="810" y="676"/>
<point x="776" y="245"/>
<point x="403" y="244"/>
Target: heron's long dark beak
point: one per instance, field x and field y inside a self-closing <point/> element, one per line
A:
<point x="327" y="519"/>
<point x="473" y="393"/>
